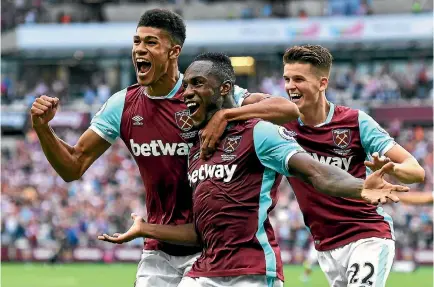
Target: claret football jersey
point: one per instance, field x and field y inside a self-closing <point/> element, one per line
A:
<point x="346" y="139"/>
<point x="158" y="132"/>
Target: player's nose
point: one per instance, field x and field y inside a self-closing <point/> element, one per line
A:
<point x="290" y="86"/>
<point x="188" y="93"/>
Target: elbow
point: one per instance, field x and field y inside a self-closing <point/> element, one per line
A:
<point x="420" y="175"/>
<point x="71" y="176"/>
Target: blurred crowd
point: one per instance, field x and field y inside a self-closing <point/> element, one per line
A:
<point x="40" y="209"/>
<point x="28" y="12"/>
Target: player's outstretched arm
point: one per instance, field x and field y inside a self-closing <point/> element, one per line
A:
<point x="277" y="110"/>
<point x="334" y="181"/>
<point x="416" y="197"/>
<point x="179" y="234"/>
<point x="70" y="162"/>
<point x="376" y="141"/>
<point x="278" y="150"/>
<point x="406" y="169"/>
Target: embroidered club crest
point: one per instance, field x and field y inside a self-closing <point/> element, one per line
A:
<point x="231" y="143"/>
<point x="341" y="137"/>
<point x="183" y="120"/>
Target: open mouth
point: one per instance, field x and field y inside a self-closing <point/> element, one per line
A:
<point x="192" y="107"/>
<point x="143" y="66"/>
<point x="295" y="97"/>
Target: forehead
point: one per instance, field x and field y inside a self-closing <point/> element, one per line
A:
<point x="143" y="32"/>
<point x="198" y="69"/>
<point x="293" y="69"/>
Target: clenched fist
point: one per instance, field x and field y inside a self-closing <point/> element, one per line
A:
<point x="43" y="110"/>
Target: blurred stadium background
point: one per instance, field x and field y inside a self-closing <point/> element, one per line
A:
<point x="79" y="51"/>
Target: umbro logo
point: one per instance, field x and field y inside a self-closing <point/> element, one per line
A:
<point x="137" y="120"/>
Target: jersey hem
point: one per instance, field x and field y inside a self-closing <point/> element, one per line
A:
<point x="101" y="134"/>
<point x="230" y="273"/>
<point x="341" y="243"/>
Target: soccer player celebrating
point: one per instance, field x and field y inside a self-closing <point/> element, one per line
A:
<point x="236" y="188"/>
<point x="355" y="239"/>
<point x="153" y="121"/>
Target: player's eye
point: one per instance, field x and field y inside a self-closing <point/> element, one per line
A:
<point x="152" y="43"/>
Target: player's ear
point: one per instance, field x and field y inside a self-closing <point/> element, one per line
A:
<point x="324" y="82"/>
<point x="174" y="52"/>
<point x="225" y="88"/>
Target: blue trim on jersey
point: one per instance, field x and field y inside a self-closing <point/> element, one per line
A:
<point x="176" y="88"/>
<point x="387" y="218"/>
<point x="373" y="137"/>
<point x="274" y="146"/>
<point x="239" y="94"/>
<point x="382" y="266"/>
<point x="265" y="202"/>
<point x="328" y="119"/>
<point x="270" y="281"/>
<point x="107" y="121"/>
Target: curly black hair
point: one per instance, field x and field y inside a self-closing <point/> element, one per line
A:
<point x="222" y="66"/>
<point x="166" y="20"/>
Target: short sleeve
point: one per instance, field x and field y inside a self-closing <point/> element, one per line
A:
<point x="373" y="137"/>
<point x="239" y="95"/>
<point x="274" y="146"/>
<point x="107" y="121"/>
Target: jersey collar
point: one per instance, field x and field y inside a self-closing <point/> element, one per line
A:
<point x="328" y="119"/>
<point x="173" y="91"/>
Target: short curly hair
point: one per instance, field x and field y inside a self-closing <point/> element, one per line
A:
<point x="166" y="20"/>
<point x="222" y="65"/>
<point x="316" y="55"/>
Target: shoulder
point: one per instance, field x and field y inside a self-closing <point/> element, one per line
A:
<point x="344" y="112"/>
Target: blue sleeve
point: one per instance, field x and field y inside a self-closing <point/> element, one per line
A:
<point x="274" y="146"/>
<point x="373" y="137"/>
<point x="107" y="121"/>
<point x="239" y="95"/>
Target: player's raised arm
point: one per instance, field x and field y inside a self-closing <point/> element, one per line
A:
<point x="70" y="162"/>
<point x="277" y="110"/>
<point x="178" y="234"/>
<point x="277" y="150"/>
<point x="378" y="143"/>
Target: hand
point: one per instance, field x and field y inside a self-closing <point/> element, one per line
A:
<point x="211" y="134"/>
<point x="43" y="110"/>
<point x="376" y="190"/>
<point x="377" y="162"/>
<point x="134" y="232"/>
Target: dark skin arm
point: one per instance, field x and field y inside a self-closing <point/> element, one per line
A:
<point x="70" y="162"/>
<point x="184" y="234"/>
<point x="277" y="110"/>
<point x="334" y="181"/>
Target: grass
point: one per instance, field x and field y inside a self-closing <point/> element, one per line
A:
<point x="117" y="275"/>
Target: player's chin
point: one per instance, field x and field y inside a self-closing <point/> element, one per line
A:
<point x="144" y="80"/>
<point x="198" y="120"/>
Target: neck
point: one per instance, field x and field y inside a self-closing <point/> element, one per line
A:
<point x="165" y="84"/>
<point x="316" y="114"/>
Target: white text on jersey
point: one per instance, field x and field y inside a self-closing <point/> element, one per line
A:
<point x="341" y="162"/>
<point x="158" y="148"/>
<point x="210" y="171"/>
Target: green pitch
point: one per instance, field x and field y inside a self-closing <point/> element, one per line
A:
<point x="117" y="275"/>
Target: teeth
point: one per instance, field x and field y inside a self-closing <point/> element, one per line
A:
<point x="189" y="105"/>
<point x="141" y="60"/>
<point x="294" y="95"/>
